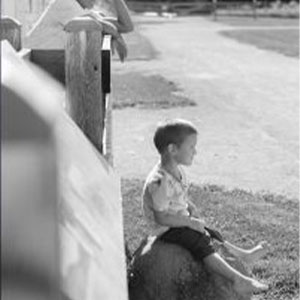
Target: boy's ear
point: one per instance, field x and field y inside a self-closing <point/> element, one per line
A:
<point x="172" y="148"/>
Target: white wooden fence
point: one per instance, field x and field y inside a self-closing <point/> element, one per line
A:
<point x="61" y="203"/>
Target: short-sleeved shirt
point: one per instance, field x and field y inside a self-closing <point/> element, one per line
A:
<point x="164" y="193"/>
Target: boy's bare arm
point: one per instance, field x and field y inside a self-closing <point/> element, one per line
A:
<point x="171" y="220"/>
<point x="124" y="23"/>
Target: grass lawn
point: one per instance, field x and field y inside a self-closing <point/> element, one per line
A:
<point x="265" y="34"/>
<point x="282" y="41"/>
<point x="244" y="219"/>
<point x="244" y="21"/>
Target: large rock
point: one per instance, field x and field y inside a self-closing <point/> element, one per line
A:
<point x="161" y="271"/>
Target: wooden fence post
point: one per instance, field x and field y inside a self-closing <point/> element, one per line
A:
<point x="106" y="89"/>
<point x="11" y="31"/>
<point x="84" y="78"/>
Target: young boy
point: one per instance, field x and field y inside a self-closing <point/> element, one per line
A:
<point x="174" y="218"/>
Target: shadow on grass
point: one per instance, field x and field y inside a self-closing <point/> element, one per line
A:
<point x="243" y="218"/>
<point x="152" y="92"/>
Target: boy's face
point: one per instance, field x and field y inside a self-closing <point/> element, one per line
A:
<point x="185" y="153"/>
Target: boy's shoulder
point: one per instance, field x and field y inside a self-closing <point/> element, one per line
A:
<point x="158" y="175"/>
<point x="155" y="176"/>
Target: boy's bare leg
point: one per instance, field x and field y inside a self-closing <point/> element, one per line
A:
<point x="241" y="283"/>
<point x="249" y="255"/>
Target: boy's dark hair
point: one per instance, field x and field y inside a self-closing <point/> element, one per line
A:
<point x="172" y="132"/>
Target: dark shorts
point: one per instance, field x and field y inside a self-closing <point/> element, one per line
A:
<point x="199" y="244"/>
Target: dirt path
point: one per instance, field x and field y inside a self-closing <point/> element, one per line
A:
<point x="247" y="108"/>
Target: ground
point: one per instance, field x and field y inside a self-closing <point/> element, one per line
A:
<point x="244" y="100"/>
<point x="246" y="109"/>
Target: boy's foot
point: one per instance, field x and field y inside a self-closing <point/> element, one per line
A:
<point x="258" y="251"/>
<point x="248" y="286"/>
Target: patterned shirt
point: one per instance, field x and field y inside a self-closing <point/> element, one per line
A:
<point x="164" y="193"/>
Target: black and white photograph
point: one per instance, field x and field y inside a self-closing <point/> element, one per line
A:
<point x="150" y="149"/>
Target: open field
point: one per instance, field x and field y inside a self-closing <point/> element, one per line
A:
<point x="277" y="34"/>
<point x="245" y="219"/>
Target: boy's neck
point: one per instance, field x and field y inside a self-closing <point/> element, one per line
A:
<point x="170" y="166"/>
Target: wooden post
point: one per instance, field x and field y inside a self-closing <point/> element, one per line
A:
<point x="106" y="89"/>
<point x="11" y="31"/>
<point x="83" y="77"/>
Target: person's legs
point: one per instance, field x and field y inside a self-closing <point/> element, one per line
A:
<point x="241" y="283"/>
<point x="201" y="248"/>
<point x="198" y="244"/>
<point x="249" y="255"/>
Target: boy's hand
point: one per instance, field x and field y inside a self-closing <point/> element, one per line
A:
<point x="197" y="224"/>
<point x="194" y="212"/>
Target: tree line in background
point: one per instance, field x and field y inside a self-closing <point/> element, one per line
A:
<point x="266" y="2"/>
